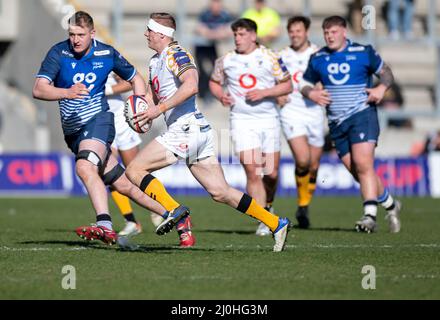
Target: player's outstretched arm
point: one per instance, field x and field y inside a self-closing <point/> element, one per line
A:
<point x="120" y="87"/>
<point x="316" y="94"/>
<point x="44" y="90"/>
<point x="138" y="85"/>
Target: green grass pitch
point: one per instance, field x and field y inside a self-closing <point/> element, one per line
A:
<point x="228" y="261"/>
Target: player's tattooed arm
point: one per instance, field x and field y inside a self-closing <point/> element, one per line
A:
<point x="386" y="76"/>
<point x="376" y="94"/>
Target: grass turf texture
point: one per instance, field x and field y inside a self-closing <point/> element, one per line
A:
<point x="228" y="262"/>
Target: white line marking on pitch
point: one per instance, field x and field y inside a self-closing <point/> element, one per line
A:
<point x="4" y="248"/>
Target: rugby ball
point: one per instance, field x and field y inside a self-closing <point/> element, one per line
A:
<point x="133" y="105"/>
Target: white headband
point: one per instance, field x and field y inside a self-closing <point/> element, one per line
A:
<point x="157" y="27"/>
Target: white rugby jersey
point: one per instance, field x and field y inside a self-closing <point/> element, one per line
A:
<point x="242" y="73"/>
<point x="115" y="101"/>
<point x="164" y="72"/>
<point x="296" y="63"/>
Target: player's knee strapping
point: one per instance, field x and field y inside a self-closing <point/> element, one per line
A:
<point x="155" y="190"/>
<point x="249" y="206"/>
<point x="92" y="157"/>
<point x="113" y="175"/>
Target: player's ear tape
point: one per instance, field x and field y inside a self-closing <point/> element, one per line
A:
<point x="113" y="175"/>
<point x="92" y="157"/>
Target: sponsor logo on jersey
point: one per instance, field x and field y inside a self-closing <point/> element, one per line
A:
<point x="335" y="70"/>
<point x="356" y="49"/>
<point x="181" y="58"/>
<point x="67" y="53"/>
<point x="98" y="65"/>
<point x="297" y="76"/>
<point x="322" y="53"/>
<point x="282" y="65"/>
<point x="156" y="85"/>
<point x="73" y="64"/>
<point x="101" y="53"/>
<point x="247" y="81"/>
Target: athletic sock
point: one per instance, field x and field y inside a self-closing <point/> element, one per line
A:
<point x="386" y="200"/>
<point x="268" y="206"/>
<point x="104" y="220"/>
<point x="124" y="206"/>
<point x="129" y="217"/>
<point x="311" y="187"/>
<point x="156" y="190"/>
<point x="370" y="208"/>
<point x="249" y="206"/>
<point x="302" y="184"/>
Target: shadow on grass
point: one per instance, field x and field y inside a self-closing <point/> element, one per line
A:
<point x="91" y="245"/>
<point x="295" y="227"/>
<point x="224" y="231"/>
<point x="59" y="230"/>
<point x="99" y="246"/>
<point x="336" y="229"/>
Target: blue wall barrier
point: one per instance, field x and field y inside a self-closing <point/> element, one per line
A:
<point x="54" y="175"/>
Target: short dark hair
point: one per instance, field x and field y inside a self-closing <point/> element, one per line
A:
<point x="299" y="19"/>
<point x="81" y="19"/>
<point x="334" y="21"/>
<point x="244" y="23"/>
<point x="164" y="18"/>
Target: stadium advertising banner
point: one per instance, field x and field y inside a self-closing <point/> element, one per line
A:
<point x="54" y="175"/>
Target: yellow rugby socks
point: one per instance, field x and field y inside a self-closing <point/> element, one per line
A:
<point x="122" y="202"/>
<point x="312" y="186"/>
<point x="302" y="184"/>
<point x="249" y="206"/>
<point x="156" y="190"/>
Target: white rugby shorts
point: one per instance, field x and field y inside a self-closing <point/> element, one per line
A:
<point x="190" y="138"/>
<point x="256" y="134"/>
<point x="308" y="122"/>
<point x="125" y="138"/>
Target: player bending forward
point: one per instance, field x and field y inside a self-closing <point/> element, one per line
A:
<point x="74" y="73"/>
<point x="174" y="85"/>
